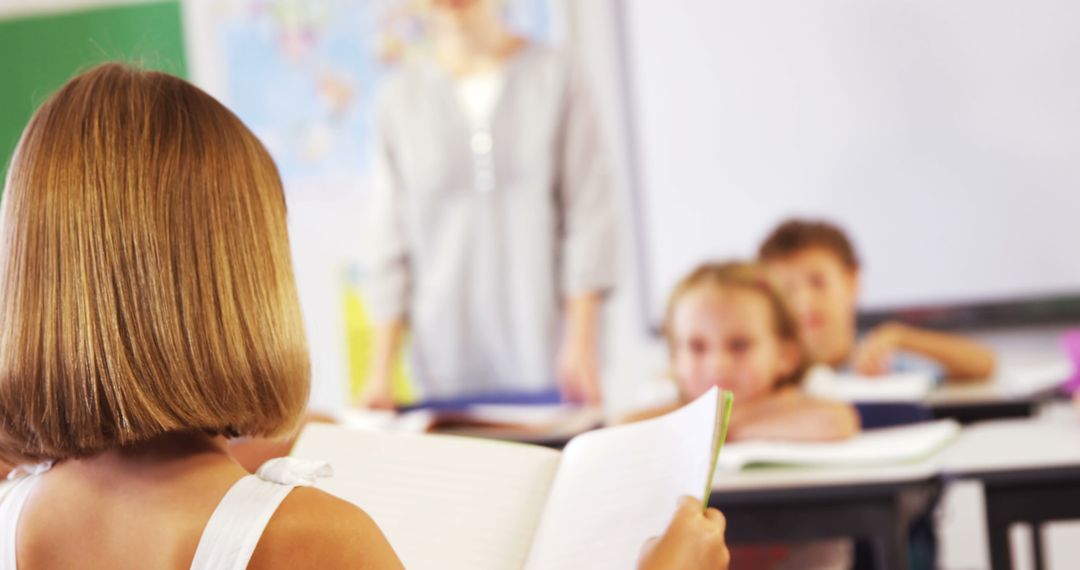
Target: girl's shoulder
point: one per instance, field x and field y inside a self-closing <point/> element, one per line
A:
<point x="313" y="529"/>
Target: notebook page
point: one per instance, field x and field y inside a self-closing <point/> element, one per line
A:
<point x="443" y="502"/>
<point x="617" y="487"/>
<point x="879" y="446"/>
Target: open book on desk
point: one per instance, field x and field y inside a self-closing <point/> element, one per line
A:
<point x="874" y="447"/>
<point x="530" y="423"/>
<point x="463" y="503"/>
<point x="911" y="387"/>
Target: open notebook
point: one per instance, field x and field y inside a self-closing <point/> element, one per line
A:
<point x="912" y="387"/>
<point x="874" y="447"/>
<point x="537" y="423"/>
<point x="450" y="502"/>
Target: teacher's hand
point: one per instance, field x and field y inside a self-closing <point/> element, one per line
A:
<point x="578" y="369"/>
<point x="579" y="373"/>
<point x="376" y="394"/>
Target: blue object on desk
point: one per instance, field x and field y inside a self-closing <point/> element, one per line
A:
<point x="498" y="398"/>
<point x="888" y="414"/>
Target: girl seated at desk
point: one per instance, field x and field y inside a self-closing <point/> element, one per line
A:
<point x="727" y="326"/>
<point x="148" y="312"/>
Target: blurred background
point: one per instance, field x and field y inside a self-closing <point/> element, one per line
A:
<point x="943" y="136"/>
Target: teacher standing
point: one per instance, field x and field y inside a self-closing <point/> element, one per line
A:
<point x="491" y="217"/>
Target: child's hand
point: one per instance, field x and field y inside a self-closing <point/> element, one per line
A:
<point x="873" y="356"/>
<point x="694" y="540"/>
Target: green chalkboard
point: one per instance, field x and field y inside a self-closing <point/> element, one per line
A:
<point x="39" y="53"/>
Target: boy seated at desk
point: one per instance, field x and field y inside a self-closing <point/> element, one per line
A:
<point x="816" y="267"/>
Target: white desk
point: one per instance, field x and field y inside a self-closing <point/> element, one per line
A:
<point x="1030" y="472"/>
<point x="1009" y="445"/>
<point x="1037" y="480"/>
<point x="1017" y="392"/>
<point x="1031" y="364"/>
<point x="788" y="504"/>
<point x="803" y="478"/>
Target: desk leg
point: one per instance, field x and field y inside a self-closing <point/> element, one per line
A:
<point x="1037" y="544"/>
<point x="883" y="518"/>
<point x="997" y="533"/>
<point x="891" y="547"/>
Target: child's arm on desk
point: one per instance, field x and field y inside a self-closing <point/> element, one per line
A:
<point x="962" y="359"/>
<point x="791" y="415"/>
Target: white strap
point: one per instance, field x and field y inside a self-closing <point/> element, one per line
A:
<point x="234" y="530"/>
<point x="11" y="505"/>
<point x="231" y="534"/>
<point x="230" y="537"/>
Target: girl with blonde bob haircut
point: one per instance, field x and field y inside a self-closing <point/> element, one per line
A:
<point x="145" y="279"/>
<point x="727" y="325"/>
<point x="147" y="312"/>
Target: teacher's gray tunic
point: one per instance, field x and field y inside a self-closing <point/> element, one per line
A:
<point x="476" y="238"/>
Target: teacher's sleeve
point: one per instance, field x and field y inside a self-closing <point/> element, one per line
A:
<point x="588" y="234"/>
<point x="385" y="257"/>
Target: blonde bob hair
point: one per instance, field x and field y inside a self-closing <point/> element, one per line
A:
<point x="749" y="277"/>
<point x="146" y="284"/>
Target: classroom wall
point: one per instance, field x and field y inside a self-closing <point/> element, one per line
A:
<point x="44" y="43"/>
<point x="897" y="118"/>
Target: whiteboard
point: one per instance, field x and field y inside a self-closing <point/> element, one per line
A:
<point x="944" y="135"/>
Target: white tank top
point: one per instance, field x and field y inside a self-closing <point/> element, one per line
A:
<point x="231" y="534"/>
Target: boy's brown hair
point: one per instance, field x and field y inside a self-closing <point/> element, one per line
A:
<point x="751" y="277"/>
<point x="795" y="236"/>
<point x="146" y="283"/>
